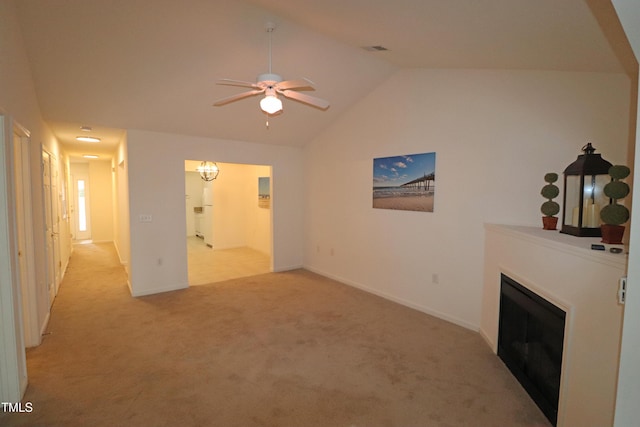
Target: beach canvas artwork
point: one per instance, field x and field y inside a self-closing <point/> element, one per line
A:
<point x="405" y="182"/>
<point x="264" y="192"/>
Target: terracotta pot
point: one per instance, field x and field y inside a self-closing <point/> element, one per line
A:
<point x="612" y="234"/>
<point x="549" y="222"/>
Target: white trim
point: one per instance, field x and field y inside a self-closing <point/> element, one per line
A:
<point x="406" y="303"/>
<point x="580" y="247"/>
<point x="13" y="374"/>
<point x="45" y="324"/>
<point x="292" y="267"/>
<point x="32" y="337"/>
<point x="158" y="290"/>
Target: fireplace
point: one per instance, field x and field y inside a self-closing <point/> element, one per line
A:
<point x="584" y="283"/>
<point x="530" y="343"/>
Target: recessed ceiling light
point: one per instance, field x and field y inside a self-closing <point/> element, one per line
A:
<point x="87" y="138"/>
<point x="85" y="128"/>
<point x="91" y="156"/>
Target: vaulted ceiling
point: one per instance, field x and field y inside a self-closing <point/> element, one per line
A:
<point x="153" y="64"/>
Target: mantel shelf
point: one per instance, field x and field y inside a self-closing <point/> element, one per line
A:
<point x="577" y="246"/>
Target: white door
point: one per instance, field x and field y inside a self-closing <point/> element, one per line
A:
<point x="51" y="225"/>
<point x="22" y="185"/>
<point x="82" y="217"/>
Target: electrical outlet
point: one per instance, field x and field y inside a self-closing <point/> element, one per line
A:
<point x="145" y="218"/>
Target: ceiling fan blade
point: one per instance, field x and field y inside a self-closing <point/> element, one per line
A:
<point x="231" y="82"/>
<point x="295" y="84"/>
<point x="307" y="99"/>
<point x="224" y="101"/>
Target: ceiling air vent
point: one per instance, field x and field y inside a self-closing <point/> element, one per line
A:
<point x="375" y="48"/>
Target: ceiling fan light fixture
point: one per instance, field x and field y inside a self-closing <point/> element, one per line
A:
<point x="272" y="85"/>
<point x="270" y="104"/>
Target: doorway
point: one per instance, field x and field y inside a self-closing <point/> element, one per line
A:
<point x="81" y="202"/>
<point x="228" y="224"/>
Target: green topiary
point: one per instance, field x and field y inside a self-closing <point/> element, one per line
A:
<point x="550" y="208"/>
<point x="618" y="172"/>
<point x="550" y="192"/>
<point x="614" y="213"/>
<point x="551" y="177"/>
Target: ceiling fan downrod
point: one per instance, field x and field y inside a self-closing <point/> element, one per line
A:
<point x="270" y="27"/>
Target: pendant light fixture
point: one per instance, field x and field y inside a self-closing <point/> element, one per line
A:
<point x="208" y="170"/>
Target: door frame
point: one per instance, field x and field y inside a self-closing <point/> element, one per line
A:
<point x="13" y="366"/>
<point x="25" y="234"/>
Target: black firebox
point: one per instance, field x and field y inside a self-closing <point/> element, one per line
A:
<point x="530" y="342"/>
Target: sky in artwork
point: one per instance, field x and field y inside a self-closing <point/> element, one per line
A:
<point x="263" y="186"/>
<point x="398" y="170"/>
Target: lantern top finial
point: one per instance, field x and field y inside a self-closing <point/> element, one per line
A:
<point x="588" y="149"/>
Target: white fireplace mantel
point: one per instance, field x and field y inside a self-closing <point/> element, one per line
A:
<point x="583" y="282"/>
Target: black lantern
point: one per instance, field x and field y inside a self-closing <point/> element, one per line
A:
<point x="584" y="180"/>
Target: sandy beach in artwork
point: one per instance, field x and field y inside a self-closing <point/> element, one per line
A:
<point x="422" y="203"/>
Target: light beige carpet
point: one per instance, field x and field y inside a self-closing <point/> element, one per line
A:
<point x="278" y="349"/>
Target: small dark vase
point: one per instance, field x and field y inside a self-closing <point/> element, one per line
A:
<point x="549" y="222"/>
<point x="612" y="234"/>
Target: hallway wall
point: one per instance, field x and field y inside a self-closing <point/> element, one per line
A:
<point x="19" y="102"/>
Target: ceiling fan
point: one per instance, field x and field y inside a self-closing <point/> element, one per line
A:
<point x="273" y="85"/>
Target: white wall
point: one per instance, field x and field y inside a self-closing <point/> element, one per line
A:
<point x="229" y="193"/>
<point x="101" y="187"/>
<point x="19" y="102"/>
<point x="258" y="228"/>
<point x="193" y="198"/>
<point x="627" y="408"/>
<point x="495" y="134"/>
<point x="238" y="221"/>
<point x="157" y="185"/>
<point x="120" y="195"/>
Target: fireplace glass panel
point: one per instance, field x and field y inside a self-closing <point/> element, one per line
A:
<point x="530" y="343"/>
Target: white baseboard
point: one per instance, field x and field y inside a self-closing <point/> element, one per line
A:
<point x="489" y="341"/>
<point x="293" y="267"/>
<point x="427" y="310"/>
<point x="157" y="290"/>
<point x="45" y="324"/>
